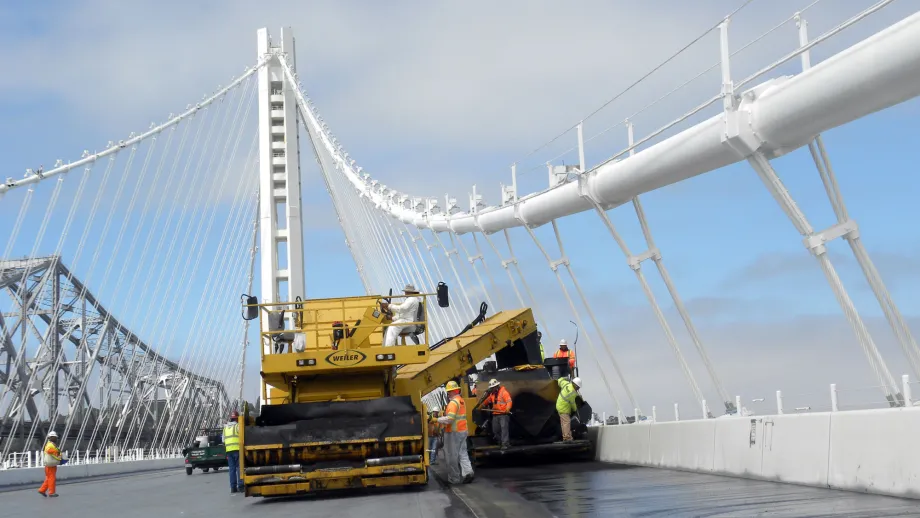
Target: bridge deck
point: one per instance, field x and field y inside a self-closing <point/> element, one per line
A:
<point x="587" y="489"/>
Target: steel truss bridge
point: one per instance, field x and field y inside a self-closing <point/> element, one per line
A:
<point x="66" y="338"/>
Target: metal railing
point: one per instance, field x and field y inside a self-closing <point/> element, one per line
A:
<point x="33" y="459"/>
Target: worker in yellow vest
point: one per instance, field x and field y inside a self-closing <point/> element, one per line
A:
<point x="459" y="467"/>
<point x="566" y="405"/>
<point x="231" y="438"/>
<point x="51" y="458"/>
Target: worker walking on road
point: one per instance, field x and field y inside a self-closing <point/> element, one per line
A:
<point x="403" y="313"/>
<point x="459" y="467"/>
<point x="499" y="400"/>
<point x="566" y="405"/>
<point x="231" y="438"/>
<point x="51" y="458"/>
<point x="565" y="352"/>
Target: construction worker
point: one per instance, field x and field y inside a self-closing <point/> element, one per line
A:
<point x="499" y="400"/>
<point x="52" y="458"/>
<point x="434" y="436"/>
<point x="540" y="341"/>
<point x="566" y="406"/>
<point x="403" y="313"/>
<point x="459" y="467"/>
<point x="565" y="352"/>
<point x="231" y="438"/>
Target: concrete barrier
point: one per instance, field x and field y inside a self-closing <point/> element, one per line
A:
<point x="35" y="476"/>
<point x="867" y="451"/>
<point x="876" y="451"/>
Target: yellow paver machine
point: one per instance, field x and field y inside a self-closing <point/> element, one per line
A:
<point x="342" y="411"/>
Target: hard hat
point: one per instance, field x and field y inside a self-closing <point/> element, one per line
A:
<point x="493" y="383"/>
<point x="563" y="342"/>
<point x="577" y="382"/>
<point x="53" y="434"/>
<point x="451" y="386"/>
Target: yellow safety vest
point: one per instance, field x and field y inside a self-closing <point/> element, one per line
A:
<point x="232" y="437"/>
<point x="52" y="455"/>
<point x="565" y="403"/>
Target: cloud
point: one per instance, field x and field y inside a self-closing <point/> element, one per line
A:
<point x="448" y="84"/>
<point x="896" y="268"/>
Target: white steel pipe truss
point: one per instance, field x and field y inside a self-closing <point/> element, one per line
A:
<point x="765" y="121"/>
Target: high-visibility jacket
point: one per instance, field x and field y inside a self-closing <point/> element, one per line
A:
<point x="52" y="456"/>
<point x="570" y="354"/>
<point x="500" y="401"/>
<point x="565" y="403"/>
<point x="542" y="354"/>
<point x="456" y="410"/>
<point x="232" y="437"/>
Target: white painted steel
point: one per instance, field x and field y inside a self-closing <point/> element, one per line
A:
<point x="783" y="114"/>
<point x="279" y="178"/>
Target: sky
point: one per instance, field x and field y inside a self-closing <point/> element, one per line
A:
<point x="432" y="99"/>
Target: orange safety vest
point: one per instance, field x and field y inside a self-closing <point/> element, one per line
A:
<point x="501" y="401"/>
<point x="456" y="410"/>
<point x="566" y="354"/>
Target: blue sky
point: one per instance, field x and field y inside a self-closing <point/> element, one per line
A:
<point x="434" y="100"/>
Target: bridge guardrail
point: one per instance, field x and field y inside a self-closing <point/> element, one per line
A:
<point x="33" y="459"/>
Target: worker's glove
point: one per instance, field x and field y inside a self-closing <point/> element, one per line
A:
<point x="444" y="420"/>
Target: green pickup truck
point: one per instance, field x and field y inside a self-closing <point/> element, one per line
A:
<point x="206" y="453"/>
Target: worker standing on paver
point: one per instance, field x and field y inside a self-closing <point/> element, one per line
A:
<point x="566" y="406"/>
<point x="231" y="438"/>
<point x="403" y="313"/>
<point x="565" y="352"/>
<point x="52" y="458"/>
<point x="499" y="400"/>
<point x="459" y="467"/>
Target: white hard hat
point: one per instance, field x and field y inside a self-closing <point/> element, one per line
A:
<point x="493" y="383"/>
<point x="52" y="434"/>
<point x="563" y="342"/>
<point x="577" y="382"/>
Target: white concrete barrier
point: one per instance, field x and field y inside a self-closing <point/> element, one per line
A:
<point x="871" y="451"/>
<point x="35" y="476"/>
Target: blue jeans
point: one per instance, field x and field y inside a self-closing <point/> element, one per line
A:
<point x="433" y="445"/>
<point x="233" y="463"/>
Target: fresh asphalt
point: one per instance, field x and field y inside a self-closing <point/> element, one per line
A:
<point x="562" y="490"/>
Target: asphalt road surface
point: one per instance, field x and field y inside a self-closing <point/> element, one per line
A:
<point x="562" y="490"/>
<point x="596" y="489"/>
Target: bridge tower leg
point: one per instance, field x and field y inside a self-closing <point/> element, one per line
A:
<point x="280" y="207"/>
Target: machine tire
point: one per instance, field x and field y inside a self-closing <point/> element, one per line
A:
<point x="216" y="468"/>
<point x="188" y="471"/>
<point x="205" y="469"/>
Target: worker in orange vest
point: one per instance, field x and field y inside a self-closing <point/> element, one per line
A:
<point x="51" y="458"/>
<point x="459" y="467"/>
<point x="565" y="352"/>
<point x="499" y="400"/>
